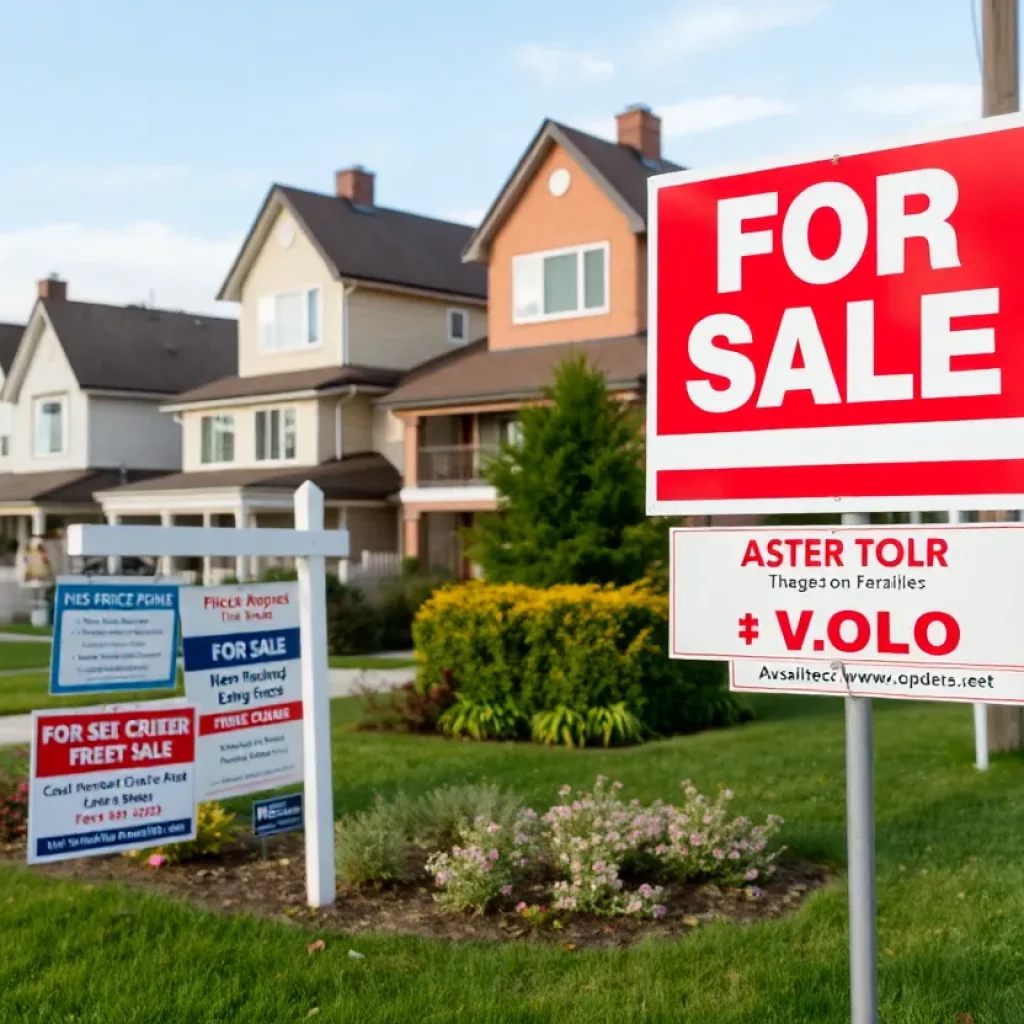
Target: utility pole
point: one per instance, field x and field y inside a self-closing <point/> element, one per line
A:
<point x="1000" y="79"/>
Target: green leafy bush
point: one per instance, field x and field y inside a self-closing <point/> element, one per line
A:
<point x="480" y="720"/>
<point x="376" y="845"/>
<point x="407" y="708"/>
<point x="216" y="830"/>
<point x="579" y="648"/>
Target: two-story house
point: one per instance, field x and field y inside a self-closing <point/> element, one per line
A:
<point x="339" y="297"/>
<point x="565" y="244"/>
<point x="82" y="387"/>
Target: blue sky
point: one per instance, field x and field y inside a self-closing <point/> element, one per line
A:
<point x="138" y="139"/>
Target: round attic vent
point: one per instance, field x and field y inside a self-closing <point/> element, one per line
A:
<point x="559" y="181"/>
<point x="286" y="233"/>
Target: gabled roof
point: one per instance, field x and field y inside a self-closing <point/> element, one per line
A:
<point x="620" y="171"/>
<point x="319" y="379"/>
<point x="65" y="486"/>
<point x="477" y="374"/>
<point x="132" y="348"/>
<point x="10" y="336"/>
<point x="372" y="244"/>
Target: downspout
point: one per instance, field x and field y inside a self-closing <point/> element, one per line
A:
<point x="346" y="291"/>
<point x="353" y="388"/>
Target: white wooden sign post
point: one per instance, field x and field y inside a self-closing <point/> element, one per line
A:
<point x="309" y="544"/>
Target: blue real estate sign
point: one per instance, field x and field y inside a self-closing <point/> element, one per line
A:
<point x="114" y="635"/>
<point x="278" y="814"/>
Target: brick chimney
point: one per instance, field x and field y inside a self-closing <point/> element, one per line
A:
<point x="355" y="184"/>
<point x="640" y="129"/>
<point x="53" y="288"/>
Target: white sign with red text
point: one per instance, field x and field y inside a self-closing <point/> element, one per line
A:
<point x="902" y="611"/>
<point x="106" y="780"/>
<point x="839" y="333"/>
<point x="241" y="654"/>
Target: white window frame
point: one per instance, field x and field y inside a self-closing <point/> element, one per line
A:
<point x="37" y="404"/>
<point x="234" y="437"/>
<point x="580" y="311"/>
<point x="283" y="410"/>
<point x="270" y="298"/>
<point x="464" y="340"/>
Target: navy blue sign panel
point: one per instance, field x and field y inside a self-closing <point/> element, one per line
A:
<point x="235" y="649"/>
<point x="277" y="814"/>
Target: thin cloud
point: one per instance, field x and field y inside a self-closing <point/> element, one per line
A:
<point x="557" y="66"/>
<point x="467" y="215"/>
<point x="934" y="103"/>
<point x="117" y="265"/>
<point x="696" y="116"/>
<point x="690" y="30"/>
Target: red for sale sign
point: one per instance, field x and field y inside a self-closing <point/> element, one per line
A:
<point x="843" y="333"/>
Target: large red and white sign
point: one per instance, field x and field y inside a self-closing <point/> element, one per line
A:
<point x="840" y="333"/>
<point x="891" y="611"/>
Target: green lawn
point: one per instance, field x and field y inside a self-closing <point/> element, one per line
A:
<point x="365" y="661"/>
<point x="26" y="628"/>
<point x="16" y="655"/>
<point x="27" y="691"/>
<point x="950" y="895"/>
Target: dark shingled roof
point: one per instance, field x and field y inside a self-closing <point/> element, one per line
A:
<point x="10" y="335"/>
<point x="479" y="374"/>
<point x="387" y="246"/>
<point x="622" y="166"/>
<point x="129" y="348"/>
<point x="366" y="476"/>
<point x="320" y="379"/>
<point x="65" y="486"/>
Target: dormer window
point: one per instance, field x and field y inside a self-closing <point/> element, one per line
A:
<point x="290" y="320"/>
<point x="560" y="284"/>
<point x="458" y="326"/>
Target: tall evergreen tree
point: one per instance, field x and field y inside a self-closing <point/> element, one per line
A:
<point x="571" y="504"/>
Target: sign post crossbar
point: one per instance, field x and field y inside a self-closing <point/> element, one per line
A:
<point x="309" y="544"/>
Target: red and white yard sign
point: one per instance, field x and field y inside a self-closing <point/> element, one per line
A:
<point x="841" y="334"/>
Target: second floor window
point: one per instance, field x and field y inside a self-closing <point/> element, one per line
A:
<point x="290" y="320"/>
<point x="560" y="284"/>
<point x="50" y="426"/>
<point x="457" y="326"/>
<point x="275" y="434"/>
<point x="218" y="439"/>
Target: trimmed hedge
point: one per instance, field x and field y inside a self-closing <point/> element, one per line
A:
<point x="575" y="647"/>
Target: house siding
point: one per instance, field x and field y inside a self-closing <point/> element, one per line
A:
<point x="356" y="425"/>
<point x="371" y="529"/>
<point x="400" y="331"/>
<point x="389" y="436"/>
<point x="132" y="432"/>
<point x="279" y="269"/>
<point x="49" y="373"/>
<point x="541" y="221"/>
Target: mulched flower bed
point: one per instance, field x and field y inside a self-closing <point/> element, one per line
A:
<point x="243" y="882"/>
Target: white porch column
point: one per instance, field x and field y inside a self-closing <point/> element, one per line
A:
<point x="343" y="563"/>
<point x="255" y="561"/>
<point x="207" y="559"/>
<point x="113" y="561"/>
<point x="166" y="561"/>
<point x="38" y="522"/>
<point x="23" y="531"/>
<point x="240" y="560"/>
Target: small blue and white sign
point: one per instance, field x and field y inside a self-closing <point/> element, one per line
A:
<point x="114" y="635"/>
<point x="276" y="815"/>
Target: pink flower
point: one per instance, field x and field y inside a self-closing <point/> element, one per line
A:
<point x="506" y="890"/>
<point x="734" y="855"/>
<point x="718" y="854"/>
<point x="158" y="860"/>
<point x="520" y="907"/>
<point x="751" y="874"/>
<point x="493" y="827"/>
<point x="659" y="911"/>
<point x="493" y="854"/>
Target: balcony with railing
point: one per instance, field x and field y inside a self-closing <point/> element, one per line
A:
<point x="453" y="464"/>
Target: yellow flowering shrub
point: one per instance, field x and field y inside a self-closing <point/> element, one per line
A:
<point x="576" y="647"/>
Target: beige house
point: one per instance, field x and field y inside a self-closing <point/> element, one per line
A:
<point x="338" y="298"/>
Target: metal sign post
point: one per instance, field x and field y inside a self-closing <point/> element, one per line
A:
<point x="860" y="848"/>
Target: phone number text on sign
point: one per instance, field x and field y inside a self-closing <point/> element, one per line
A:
<point x="896" y="595"/>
